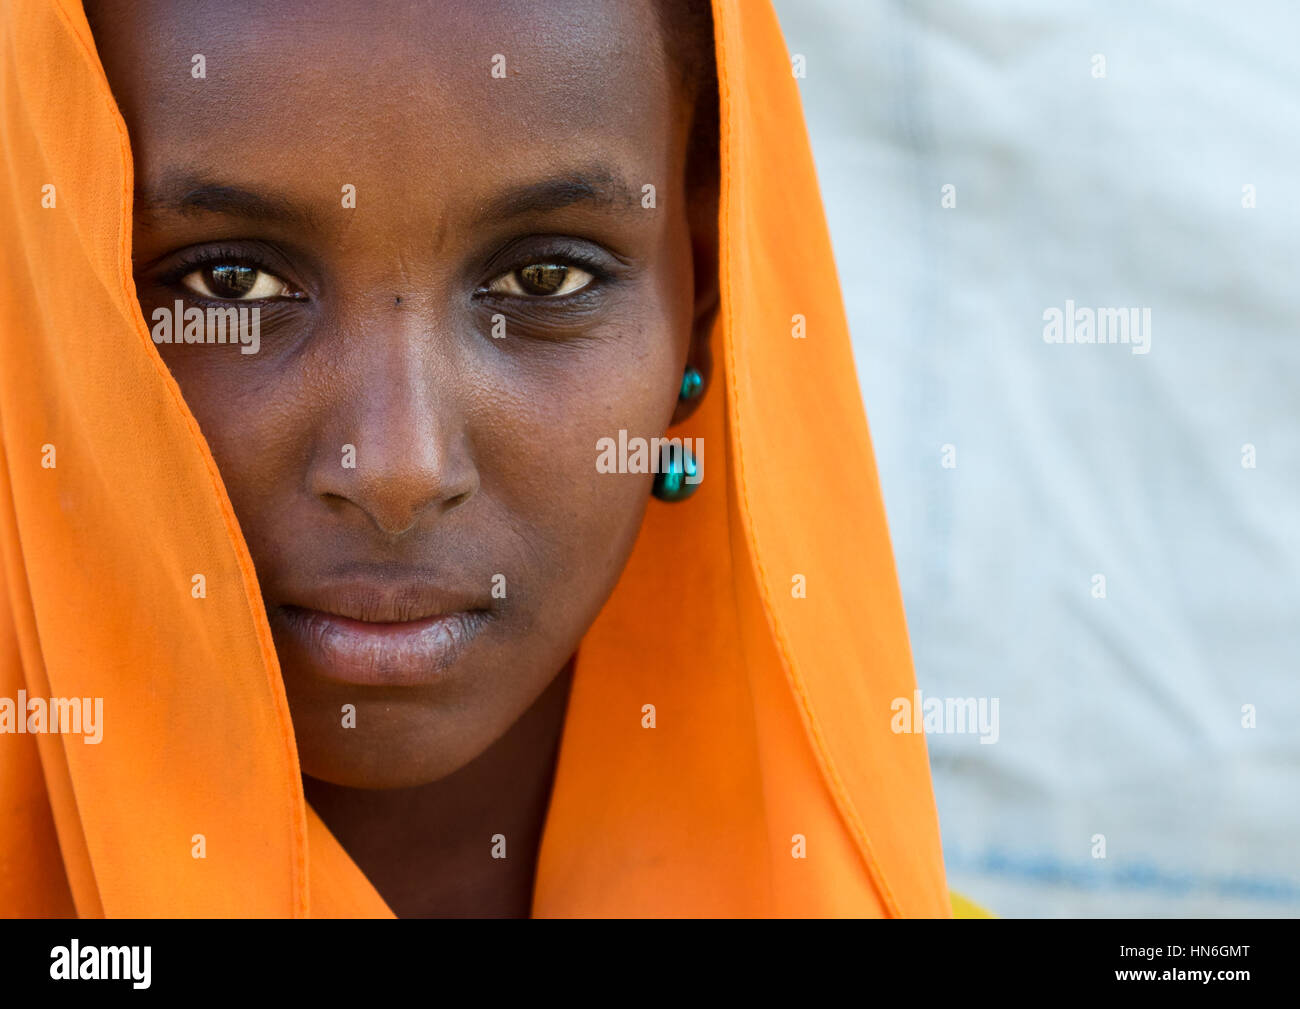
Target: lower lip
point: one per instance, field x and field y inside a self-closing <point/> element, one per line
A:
<point x="409" y="654"/>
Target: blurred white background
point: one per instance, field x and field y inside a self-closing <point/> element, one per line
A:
<point x="1120" y="716"/>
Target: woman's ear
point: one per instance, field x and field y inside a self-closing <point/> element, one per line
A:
<point x="703" y="217"/>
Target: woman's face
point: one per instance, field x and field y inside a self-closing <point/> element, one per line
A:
<point x="439" y="214"/>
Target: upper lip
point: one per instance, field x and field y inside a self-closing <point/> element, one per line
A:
<point x="389" y="599"/>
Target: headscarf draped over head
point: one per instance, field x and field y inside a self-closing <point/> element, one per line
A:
<point x="762" y="618"/>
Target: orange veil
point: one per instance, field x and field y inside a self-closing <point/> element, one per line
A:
<point x="762" y="618"/>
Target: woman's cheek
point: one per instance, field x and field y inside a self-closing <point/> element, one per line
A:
<point x="545" y="460"/>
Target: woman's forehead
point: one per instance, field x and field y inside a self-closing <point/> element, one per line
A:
<point x="422" y="86"/>
<point x="439" y="111"/>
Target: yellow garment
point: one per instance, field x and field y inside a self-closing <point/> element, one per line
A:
<point x="963" y="908"/>
<point x="773" y="732"/>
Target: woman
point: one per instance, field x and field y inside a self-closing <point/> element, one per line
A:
<point x="382" y="611"/>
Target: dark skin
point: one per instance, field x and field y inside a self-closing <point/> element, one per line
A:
<point x="476" y="196"/>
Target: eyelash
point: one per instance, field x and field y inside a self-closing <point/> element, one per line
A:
<point x="197" y="259"/>
<point x="563" y="253"/>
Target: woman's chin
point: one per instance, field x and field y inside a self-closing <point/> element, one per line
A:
<point x="335" y="765"/>
<point x="381" y="744"/>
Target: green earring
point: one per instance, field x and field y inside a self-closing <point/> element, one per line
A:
<point x="677" y="478"/>
<point x="692" y="383"/>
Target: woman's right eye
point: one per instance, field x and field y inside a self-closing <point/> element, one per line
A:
<point x="235" y="282"/>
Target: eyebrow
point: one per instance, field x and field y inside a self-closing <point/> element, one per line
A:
<point x="190" y="196"/>
<point x="596" y="186"/>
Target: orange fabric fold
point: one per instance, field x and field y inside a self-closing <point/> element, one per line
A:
<point x="771" y="784"/>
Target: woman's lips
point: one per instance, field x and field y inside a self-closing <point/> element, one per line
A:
<point x="403" y="653"/>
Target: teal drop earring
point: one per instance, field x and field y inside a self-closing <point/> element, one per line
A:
<point x="678" y="476"/>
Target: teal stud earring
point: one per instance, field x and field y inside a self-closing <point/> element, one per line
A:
<point x="692" y="383"/>
<point x="679" y="475"/>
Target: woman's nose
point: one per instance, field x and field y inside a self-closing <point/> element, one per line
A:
<point x="398" y="451"/>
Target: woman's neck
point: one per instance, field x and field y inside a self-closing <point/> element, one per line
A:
<point x="429" y="850"/>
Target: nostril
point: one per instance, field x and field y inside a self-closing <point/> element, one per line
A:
<point x="457" y="501"/>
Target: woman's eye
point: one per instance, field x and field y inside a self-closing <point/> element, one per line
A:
<point x="542" y="280"/>
<point x="234" y="282"/>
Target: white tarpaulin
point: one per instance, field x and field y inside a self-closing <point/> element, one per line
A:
<point x="1105" y="540"/>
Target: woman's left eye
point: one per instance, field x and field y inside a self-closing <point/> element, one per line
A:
<point x="545" y="280"/>
<point x="234" y="282"/>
